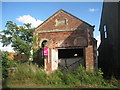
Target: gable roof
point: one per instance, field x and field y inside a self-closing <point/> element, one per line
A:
<point x="61" y="10"/>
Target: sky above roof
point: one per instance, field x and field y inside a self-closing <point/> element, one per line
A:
<point x="37" y="12"/>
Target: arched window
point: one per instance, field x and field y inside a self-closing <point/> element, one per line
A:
<point x="105" y="31"/>
<point x="44" y="43"/>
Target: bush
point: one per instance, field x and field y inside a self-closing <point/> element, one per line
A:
<point x="89" y="78"/>
<point x="6" y="63"/>
<point x="54" y="79"/>
<point x="70" y="79"/>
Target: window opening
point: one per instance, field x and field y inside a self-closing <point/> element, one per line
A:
<point x="105" y="30"/>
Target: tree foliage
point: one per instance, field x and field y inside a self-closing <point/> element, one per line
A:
<point x="20" y="37"/>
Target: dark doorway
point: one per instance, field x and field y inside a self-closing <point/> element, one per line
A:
<point x="43" y="44"/>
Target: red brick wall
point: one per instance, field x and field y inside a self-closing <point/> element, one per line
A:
<point x="65" y="39"/>
<point x="89" y="58"/>
<point x="49" y="63"/>
<point x="73" y="22"/>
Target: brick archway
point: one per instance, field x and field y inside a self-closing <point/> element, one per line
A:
<point x="42" y="40"/>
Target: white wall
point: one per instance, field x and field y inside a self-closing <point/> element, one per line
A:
<point x="54" y="56"/>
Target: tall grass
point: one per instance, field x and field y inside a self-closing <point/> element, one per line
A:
<point x="32" y="74"/>
<point x="28" y="74"/>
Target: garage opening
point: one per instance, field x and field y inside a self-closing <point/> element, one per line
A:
<point x="70" y="53"/>
<point x="69" y="59"/>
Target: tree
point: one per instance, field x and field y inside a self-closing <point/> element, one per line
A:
<point x="20" y="37"/>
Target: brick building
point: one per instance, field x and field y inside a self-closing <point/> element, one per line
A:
<point x="65" y="41"/>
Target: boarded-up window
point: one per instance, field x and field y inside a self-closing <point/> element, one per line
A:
<point x="61" y="22"/>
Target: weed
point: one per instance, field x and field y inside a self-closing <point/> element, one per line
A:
<point x="79" y="77"/>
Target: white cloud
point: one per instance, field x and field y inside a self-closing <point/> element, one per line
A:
<point x="29" y="19"/>
<point x="8" y="48"/>
<point x="93" y="9"/>
<point x="98" y="40"/>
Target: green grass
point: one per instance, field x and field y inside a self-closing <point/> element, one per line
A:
<point x="38" y="86"/>
<point x="32" y="85"/>
<point x="33" y="77"/>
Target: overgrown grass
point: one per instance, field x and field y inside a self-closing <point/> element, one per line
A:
<point x="31" y="74"/>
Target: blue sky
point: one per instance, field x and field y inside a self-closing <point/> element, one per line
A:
<point x="37" y="12"/>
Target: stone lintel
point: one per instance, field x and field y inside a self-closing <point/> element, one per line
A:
<point x="60" y="30"/>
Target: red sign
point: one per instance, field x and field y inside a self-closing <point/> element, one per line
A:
<point x="46" y="50"/>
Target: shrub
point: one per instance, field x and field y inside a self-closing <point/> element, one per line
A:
<point x="6" y="63"/>
<point x="69" y="79"/>
<point x="54" y="79"/>
<point x="90" y="78"/>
